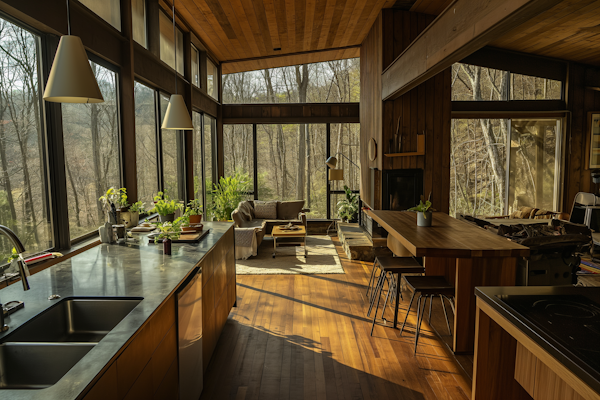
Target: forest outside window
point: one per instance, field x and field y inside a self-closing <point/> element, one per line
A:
<point x="238" y="153"/>
<point x="108" y="10"/>
<point x="171" y="148"/>
<point x="204" y="160"/>
<point x="345" y="146"/>
<point x="24" y="202"/>
<point x="326" y="82"/>
<point x="92" y="162"/>
<point x="487" y="178"/>
<point x="146" y="144"/>
<point x="474" y="83"/>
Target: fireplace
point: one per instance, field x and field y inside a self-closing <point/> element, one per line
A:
<point x="402" y="188"/>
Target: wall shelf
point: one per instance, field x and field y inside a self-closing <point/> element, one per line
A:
<point x="420" y="149"/>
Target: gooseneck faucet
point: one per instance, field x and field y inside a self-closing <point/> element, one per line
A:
<point x="23" y="272"/>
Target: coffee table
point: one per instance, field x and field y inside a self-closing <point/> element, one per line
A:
<point x="281" y="233"/>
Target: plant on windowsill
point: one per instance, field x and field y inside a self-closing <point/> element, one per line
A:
<point x="424" y="213"/>
<point x="194" y="211"/>
<point x="165" y="207"/>
<point x="114" y="202"/>
<point x="348" y="207"/>
<point x="228" y="193"/>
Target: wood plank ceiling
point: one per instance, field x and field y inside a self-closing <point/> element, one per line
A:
<point x="244" y="34"/>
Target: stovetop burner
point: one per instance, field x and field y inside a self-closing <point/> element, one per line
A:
<point x="574" y="321"/>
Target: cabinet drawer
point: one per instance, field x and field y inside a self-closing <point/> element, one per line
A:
<point x="106" y="387"/>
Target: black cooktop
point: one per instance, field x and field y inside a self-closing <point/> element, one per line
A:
<point x="572" y="320"/>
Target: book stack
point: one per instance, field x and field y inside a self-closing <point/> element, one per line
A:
<point x="589" y="266"/>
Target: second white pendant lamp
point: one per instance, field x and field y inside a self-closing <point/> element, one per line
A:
<point x="177" y="115"/>
<point x="71" y="78"/>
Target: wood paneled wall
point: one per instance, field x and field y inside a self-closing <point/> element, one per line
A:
<point x="580" y="101"/>
<point x="425" y="109"/>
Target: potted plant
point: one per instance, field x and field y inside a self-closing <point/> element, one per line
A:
<point x="167" y="232"/>
<point x="165" y="207"/>
<point x="348" y="207"/>
<point x="114" y="202"/>
<point x="131" y="217"/>
<point x="227" y="194"/>
<point x="424" y="213"/>
<point x="194" y="211"/>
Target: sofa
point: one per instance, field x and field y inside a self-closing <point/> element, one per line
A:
<point x="253" y="220"/>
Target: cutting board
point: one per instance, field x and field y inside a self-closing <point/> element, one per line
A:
<point x="187" y="237"/>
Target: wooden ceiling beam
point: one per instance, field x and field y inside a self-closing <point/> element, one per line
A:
<point x="462" y="28"/>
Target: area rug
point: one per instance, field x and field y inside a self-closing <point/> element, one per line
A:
<point x="322" y="259"/>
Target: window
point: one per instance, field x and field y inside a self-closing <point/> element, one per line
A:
<point x="92" y="162"/>
<point x="171" y="161"/>
<point x="204" y="160"/>
<point x="326" y="82"/>
<point x="474" y="83"/>
<point x="167" y="43"/>
<point x="212" y="80"/>
<point x="210" y="171"/>
<point x="138" y="11"/>
<point x="24" y="205"/>
<point x="480" y="183"/>
<point x="345" y="146"/>
<point x="238" y="151"/>
<point x="145" y="139"/>
<point x="195" y="65"/>
<point x="199" y="187"/>
<point x="108" y="10"/>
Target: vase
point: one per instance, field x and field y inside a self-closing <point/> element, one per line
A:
<point x="424" y="218"/>
<point x="195" y="219"/>
<point x="167" y="218"/>
<point x="130" y="219"/>
<point x="167" y="246"/>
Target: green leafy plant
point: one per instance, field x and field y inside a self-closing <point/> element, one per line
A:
<point x="168" y="230"/>
<point x="194" y="207"/>
<point x="422" y="207"/>
<point x="14" y="256"/>
<point x="348" y="207"/>
<point x="138" y="206"/>
<point x="228" y="193"/>
<point x="164" y="205"/>
<point x="118" y="197"/>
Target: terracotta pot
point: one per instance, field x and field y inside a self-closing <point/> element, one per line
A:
<point x="188" y="229"/>
<point x="195" y="219"/>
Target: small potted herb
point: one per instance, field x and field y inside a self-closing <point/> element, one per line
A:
<point x="132" y="216"/>
<point x="424" y="213"/>
<point x="194" y="211"/>
<point x="168" y="231"/>
<point x="165" y="207"/>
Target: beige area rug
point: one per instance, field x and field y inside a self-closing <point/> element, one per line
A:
<point x="322" y="259"/>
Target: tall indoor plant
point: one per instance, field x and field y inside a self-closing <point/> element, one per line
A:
<point x="228" y="193"/>
<point x="348" y="207"/>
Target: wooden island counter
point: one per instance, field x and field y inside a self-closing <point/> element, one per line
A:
<point x="465" y="254"/>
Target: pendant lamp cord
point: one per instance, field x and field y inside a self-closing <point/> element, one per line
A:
<point x="68" y="19"/>
<point x="174" y="40"/>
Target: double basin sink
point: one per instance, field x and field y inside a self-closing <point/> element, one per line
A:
<point x="41" y="351"/>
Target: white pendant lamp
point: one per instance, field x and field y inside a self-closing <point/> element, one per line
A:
<point x="177" y="115"/>
<point x="71" y="78"/>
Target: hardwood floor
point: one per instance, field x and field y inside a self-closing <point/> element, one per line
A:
<point x="308" y="337"/>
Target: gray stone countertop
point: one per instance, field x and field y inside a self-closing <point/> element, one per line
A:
<point x="128" y="270"/>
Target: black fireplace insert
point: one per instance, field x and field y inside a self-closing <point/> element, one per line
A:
<point x="402" y="188"/>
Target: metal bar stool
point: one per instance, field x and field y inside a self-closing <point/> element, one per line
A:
<point x="428" y="286"/>
<point x="396" y="267"/>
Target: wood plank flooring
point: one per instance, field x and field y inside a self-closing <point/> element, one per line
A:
<point x="308" y="337"/>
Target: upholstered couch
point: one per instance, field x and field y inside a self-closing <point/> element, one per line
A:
<point x="260" y="217"/>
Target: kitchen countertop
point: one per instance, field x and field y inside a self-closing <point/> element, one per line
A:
<point x="498" y="298"/>
<point x="131" y="270"/>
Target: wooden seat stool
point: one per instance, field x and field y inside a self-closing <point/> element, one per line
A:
<point x="428" y="286"/>
<point x="395" y="267"/>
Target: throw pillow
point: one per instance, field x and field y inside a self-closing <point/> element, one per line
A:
<point x="265" y="209"/>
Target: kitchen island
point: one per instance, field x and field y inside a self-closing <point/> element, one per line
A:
<point x="539" y="343"/>
<point x="138" y="358"/>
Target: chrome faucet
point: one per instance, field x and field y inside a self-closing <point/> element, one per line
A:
<point x="23" y="271"/>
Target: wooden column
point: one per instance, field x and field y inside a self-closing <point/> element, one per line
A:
<point x="127" y="100"/>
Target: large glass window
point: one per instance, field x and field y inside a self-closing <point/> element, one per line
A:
<point x="345" y="146"/>
<point x="204" y="160"/>
<point x="108" y="10"/>
<point x="212" y="80"/>
<point x="210" y="173"/>
<point x="145" y="140"/>
<point x="171" y="160"/>
<point x="326" y="82"/>
<point x="23" y="190"/>
<point x="138" y="11"/>
<point x="474" y="83"/>
<point x="238" y="151"/>
<point x="92" y="162"/>
<point x="199" y="187"/>
<point x="195" y="69"/>
<point x="167" y="43"/>
<point x="480" y="184"/>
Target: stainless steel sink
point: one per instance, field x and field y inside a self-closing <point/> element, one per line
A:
<point x="38" y="365"/>
<point x="75" y="320"/>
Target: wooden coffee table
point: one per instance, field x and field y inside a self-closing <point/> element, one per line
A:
<point x="281" y="233"/>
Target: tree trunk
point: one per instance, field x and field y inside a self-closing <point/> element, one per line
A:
<point x="75" y="194"/>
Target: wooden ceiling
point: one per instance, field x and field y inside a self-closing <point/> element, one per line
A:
<point x="569" y="31"/>
<point x="242" y="32"/>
